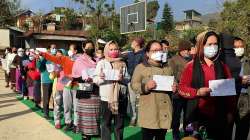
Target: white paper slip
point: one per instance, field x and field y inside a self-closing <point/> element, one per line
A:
<point x="88" y="73"/>
<point x="164" y="83"/>
<point x="41" y="49"/>
<point x="50" y="67"/>
<point x="111" y="74"/>
<point x="4" y="64"/>
<point x="222" y="87"/>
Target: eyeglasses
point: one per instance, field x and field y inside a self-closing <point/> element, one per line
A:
<point x="154" y="51"/>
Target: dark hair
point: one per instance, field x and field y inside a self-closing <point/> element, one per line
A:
<point x="200" y="45"/>
<point x="8" y="49"/>
<point x="238" y="39"/>
<point x="148" y="46"/>
<point x="86" y="42"/>
<point x="59" y="51"/>
<point x="164" y="41"/>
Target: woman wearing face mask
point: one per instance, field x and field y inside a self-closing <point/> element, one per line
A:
<point x="155" y="107"/>
<point x="214" y="113"/>
<point x="88" y="99"/>
<point x="113" y="92"/>
<point x="6" y="67"/>
<point x="33" y="80"/>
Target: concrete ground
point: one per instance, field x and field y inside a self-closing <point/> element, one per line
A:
<point x="18" y="122"/>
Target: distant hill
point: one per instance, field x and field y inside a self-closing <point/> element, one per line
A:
<point x="205" y="18"/>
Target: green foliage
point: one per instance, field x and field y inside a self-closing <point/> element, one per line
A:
<point x="9" y="9"/>
<point x="167" y="23"/>
<point x="152" y="9"/>
<point x="235" y="19"/>
<point x="191" y="33"/>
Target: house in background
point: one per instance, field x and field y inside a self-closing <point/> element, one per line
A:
<point x="192" y="20"/>
<point x="61" y="38"/>
<point x="24" y="20"/>
<point x="10" y="37"/>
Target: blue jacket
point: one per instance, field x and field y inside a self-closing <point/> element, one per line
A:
<point x="41" y="65"/>
<point x="133" y="59"/>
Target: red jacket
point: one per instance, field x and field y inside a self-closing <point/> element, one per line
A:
<point x="206" y="105"/>
<point x="64" y="61"/>
<point x="33" y="73"/>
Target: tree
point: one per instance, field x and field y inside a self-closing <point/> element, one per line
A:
<point x="235" y="19"/>
<point x="167" y="22"/>
<point x="9" y="9"/>
<point x="152" y="9"/>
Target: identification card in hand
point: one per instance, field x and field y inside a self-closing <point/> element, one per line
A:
<point x="163" y="83"/>
<point x="222" y="87"/>
<point x="88" y="73"/>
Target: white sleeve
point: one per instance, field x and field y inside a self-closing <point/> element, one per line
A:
<point x="97" y="80"/>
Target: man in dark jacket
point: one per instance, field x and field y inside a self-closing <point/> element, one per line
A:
<point x="243" y="114"/>
<point x="133" y="58"/>
<point x="178" y="63"/>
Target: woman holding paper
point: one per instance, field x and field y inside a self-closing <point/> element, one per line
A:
<point x="155" y="107"/>
<point x="88" y="98"/>
<point x="214" y="113"/>
<point x="112" y="77"/>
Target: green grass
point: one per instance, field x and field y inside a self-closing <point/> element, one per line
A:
<point x="130" y="133"/>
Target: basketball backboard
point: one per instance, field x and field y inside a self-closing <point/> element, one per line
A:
<point x="133" y="18"/>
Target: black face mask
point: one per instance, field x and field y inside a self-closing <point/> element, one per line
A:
<point x="90" y="52"/>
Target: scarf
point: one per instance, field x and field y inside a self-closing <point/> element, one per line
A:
<point x="198" y="79"/>
<point x="117" y="64"/>
<point x="83" y="62"/>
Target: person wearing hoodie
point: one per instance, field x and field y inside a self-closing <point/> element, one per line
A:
<point x="243" y="113"/>
<point x="112" y="90"/>
<point x="178" y="63"/>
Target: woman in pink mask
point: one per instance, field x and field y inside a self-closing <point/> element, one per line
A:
<point x="112" y="77"/>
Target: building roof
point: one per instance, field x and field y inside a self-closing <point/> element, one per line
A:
<point x="24" y="12"/>
<point x="77" y="33"/>
<point x="58" y="35"/>
<point x="192" y="10"/>
<point x="16" y="29"/>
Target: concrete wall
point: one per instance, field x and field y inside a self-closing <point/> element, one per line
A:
<point x="4" y="38"/>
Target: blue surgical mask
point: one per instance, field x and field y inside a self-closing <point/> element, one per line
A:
<point x="210" y="51"/>
<point x="31" y="58"/>
<point x="53" y="51"/>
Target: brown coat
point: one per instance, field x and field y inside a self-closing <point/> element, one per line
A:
<point x="155" y="108"/>
<point x="177" y="63"/>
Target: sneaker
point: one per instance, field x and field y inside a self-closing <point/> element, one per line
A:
<point x="7" y="86"/>
<point x="74" y="129"/>
<point x="68" y="127"/>
<point x="58" y="126"/>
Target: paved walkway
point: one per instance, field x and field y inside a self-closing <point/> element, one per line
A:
<point x="18" y="122"/>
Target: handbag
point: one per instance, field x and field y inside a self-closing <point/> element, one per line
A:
<point x="84" y="90"/>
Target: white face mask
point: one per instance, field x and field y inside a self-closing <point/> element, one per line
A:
<point x="239" y="51"/>
<point x="70" y="53"/>
<point x="31" y="58"/>
<point x="210" y="51"/>
<point x="159" y="56"/>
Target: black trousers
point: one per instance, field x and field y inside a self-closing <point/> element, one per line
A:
<point x="153" y="134"/>
<point x="179" y="105"/>
<point x="47" y="91"/>
<point x="107" y="117"/>
<point x="242" y="127"/>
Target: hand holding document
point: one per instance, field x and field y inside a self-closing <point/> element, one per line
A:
<point x="111" y="74"/>
<point x="41" y="49"/>
<point x="88" y="73"/>
<point x="222" y="87"/>
<point x="50" y="67"/>
<point x="163" y="83"/>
